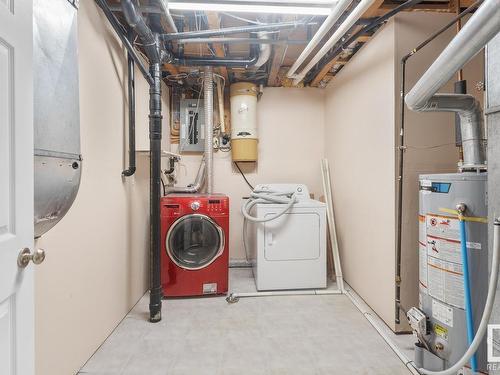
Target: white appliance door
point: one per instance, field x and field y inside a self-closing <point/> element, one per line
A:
<point x="293" y="236"/>
<point x="16" y="187"/>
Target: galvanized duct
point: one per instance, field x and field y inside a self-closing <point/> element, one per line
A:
<point x="208" y="88"/>
<point x="480" y="29"/>
<point x="58" y="163"/>
<point x="265" y="50"/>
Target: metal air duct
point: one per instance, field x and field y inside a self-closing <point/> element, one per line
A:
<point x="480" y="29"/>
<point x="58" y="163"/>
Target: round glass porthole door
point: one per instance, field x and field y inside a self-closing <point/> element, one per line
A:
<point x="194" y="241"/>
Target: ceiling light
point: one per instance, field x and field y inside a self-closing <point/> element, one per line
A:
<point x="250" y="8"/>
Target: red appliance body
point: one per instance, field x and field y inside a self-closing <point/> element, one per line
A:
<point x="195" y="240"/>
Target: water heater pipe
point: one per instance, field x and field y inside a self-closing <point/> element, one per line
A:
<point x="466" y="279"/>
<point x="480" y="29"/>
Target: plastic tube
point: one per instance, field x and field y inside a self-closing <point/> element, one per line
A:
<point x="490" y="300"/>
<point x="269" y="197"/>
<point x="467" y="294"/>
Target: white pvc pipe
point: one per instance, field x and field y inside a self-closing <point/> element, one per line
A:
<point x="337" y="10"/>
<point x="283" y="293"/>
<point x="354" y="16"/>
<point x="168" y="16"/>
<point x="375" y="324"/>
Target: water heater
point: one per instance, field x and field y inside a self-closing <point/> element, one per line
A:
<point x="244" y="137"/>
<point x="441" y="283"/>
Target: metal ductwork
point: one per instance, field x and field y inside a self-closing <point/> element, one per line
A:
<point x="265" y="50"/>
<point x="480" y="29"/>
<point x="208" y="97"/>
<point x="58" y="163"/>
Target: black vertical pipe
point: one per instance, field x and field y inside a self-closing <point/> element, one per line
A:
<point x="155" y="118"/>
<point x="131" y="118"/>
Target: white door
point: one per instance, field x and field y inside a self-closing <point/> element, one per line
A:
<point x="16" y="187"/>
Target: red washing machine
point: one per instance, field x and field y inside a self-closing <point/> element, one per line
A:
<point x="195" y="238"/>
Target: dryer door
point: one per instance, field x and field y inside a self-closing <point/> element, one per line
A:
<point x="194" y="241"/>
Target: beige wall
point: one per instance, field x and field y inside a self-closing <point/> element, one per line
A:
<point x="96" y="266"/>
<point x="291" y="128"/>
<point x="359" y="135"/>
<point x="361" y="127"/>
<point x="425" y="131"/>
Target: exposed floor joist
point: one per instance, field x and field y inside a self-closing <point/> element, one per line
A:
<point x="319" y="79"/>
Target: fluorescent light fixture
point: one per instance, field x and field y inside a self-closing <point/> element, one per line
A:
<point x="250" y="8"/>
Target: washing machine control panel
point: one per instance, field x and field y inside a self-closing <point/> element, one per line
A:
<point x="195" y="206"/>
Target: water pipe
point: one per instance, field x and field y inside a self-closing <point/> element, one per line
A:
<point x="461" y="207"/>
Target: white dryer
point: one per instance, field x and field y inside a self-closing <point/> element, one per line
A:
<point x="290" y="251"/>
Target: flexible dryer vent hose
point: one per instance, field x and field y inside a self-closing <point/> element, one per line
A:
<point x="492" y="288"/>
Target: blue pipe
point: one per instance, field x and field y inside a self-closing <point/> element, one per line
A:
<point x="467" y="295"/>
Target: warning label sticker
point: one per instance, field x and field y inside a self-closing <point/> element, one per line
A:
<point x="445" y="249"/>
<point x="443" y="227"/>
<point x="445" y="281"/>
<point x="444" y="260"/>
<point x="442" y="313"/>
<point x="441" y="331"/>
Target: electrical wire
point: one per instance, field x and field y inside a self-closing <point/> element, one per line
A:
<point x="243" y="175"/>
<point x="255" y="22"/>
<point x="430" y="147"/>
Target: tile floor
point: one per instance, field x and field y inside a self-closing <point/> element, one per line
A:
<point x="306" y="335"/>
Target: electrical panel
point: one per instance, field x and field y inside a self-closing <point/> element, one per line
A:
<point x="192" y="126"/>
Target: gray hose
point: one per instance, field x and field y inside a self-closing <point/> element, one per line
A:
<point x="268" y="197"/>
<point x="488" y="307"/>
<point x="265" y="197"/>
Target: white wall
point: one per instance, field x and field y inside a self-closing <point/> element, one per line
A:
<point x="291" y="128"/>
<point x="97" y="256"/>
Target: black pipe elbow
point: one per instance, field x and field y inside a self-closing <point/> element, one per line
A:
<point x="128" y="172"/>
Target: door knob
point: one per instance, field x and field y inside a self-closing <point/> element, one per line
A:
<point x="25" y="256"/>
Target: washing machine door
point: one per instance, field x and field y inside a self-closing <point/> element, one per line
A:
<point x="194" y="241"/>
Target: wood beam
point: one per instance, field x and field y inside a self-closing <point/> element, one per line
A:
<point x="172" y="69"/>
<point x="278" y="52"/>
<point x="214" y="23"/>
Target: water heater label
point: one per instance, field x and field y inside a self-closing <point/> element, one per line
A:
<point x="442" y="313"/>
<point x="445" y="281"/>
